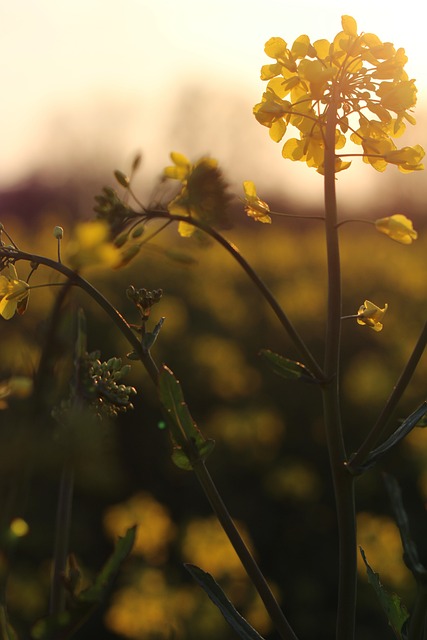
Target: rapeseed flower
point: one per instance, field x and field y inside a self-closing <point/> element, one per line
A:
<point x="398" y="227"/>
<point x="13" y="294"/>
<point x="357" y="77"/>
<point x="371" y="315"/>
<point x="254" y="206"/>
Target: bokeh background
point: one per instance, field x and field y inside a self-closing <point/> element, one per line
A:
<point x="86" y="85"/>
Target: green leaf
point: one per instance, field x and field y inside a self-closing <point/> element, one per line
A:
<point x="98" y="591"/>
<point x="189" y="443"/>
<point x="218" y="597"/>
<point x="411" y="556"/>
<point x="6" y="630"/>
<point x="396" y="612"/>
<point x="150" y="337"/>
<point x="286" y="368"/>
<point x="396" y="437"/>
<point x="65" y="624"/>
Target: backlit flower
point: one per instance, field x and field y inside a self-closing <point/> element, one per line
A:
<point x="371" y="315"/>
<point x="398" y="227"/>
<point x="355" y="76"/>
<point x="254" y="206"/>
<point x="91" y="246"/>
<point x="203" y="195"/>
<point x="13" y="294"/>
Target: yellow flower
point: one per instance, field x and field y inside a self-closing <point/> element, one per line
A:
<point x="13" y="294"/>
<point x="203" y="195"/>
<point x="398" y="227"/>
<point x="407" y="159"/>
<point x="254" y="206"/>
<point x="371" y="315"/>
<point x="359" y="74"/>
<point x="91" y="246"/>
<point x="181" y="168"/>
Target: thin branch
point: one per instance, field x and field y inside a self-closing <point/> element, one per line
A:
<point x="391" y="404"/>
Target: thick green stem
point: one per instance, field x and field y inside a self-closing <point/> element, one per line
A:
<point x="343" y="483"/>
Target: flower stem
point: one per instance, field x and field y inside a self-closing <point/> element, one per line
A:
<point x="64" y="507"/>
<point x="342" y="481"/>
<point x="299" y="343"/>
<point x="60" y="554"/>
<point x="276" y="614"/>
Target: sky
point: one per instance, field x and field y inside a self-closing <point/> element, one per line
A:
<point x="91" y="82"/>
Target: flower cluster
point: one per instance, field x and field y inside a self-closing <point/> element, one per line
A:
<point x="203" y="195"/>
<point x="358" y="79"/>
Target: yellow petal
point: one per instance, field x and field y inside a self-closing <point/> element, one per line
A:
<point x="398" y="227"/>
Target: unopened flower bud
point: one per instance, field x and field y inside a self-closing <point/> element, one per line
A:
<point x="58" y="233"/>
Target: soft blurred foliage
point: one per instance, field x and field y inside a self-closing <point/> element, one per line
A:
<point x="269" y="462"/>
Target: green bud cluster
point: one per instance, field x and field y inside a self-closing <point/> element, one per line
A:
<point x="102" y="387"/>
<point x="144" y="299"/>
<point x="111" y="208"/>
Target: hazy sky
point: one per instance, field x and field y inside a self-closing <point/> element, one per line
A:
<point x="96" y="80"/>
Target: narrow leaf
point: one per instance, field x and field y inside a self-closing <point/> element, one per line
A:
<point x="189" y="443"/>
<point x="410" y="555"/>
<point x="396" y="437"/>
<point x="6" y="630"/>
<point x="396" y="612"/>
<point x="286" y="368"/>
<point x="232" y="616"/>
<point x="64" y="625"/>
<point x="98" y="591"/>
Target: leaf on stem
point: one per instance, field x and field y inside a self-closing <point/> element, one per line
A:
<point x="65" y="623"/>
<point x="396" y="612"/>
<point x="410" y="555"/>
<point x="189" y="444"/>
<point x="6" y="630"/>
<point x="396" y="437"/>
<point x="232" y="616"/>
<point x="285" y="368"/>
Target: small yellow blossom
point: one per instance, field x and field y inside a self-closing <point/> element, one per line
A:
<point x="203" y="195"/>
<point x="371" y="315"/>
<point x="91" y="246"/>
<point x="254" y="206"/>
<point x="13" y="294"/>
<point x="398" y="227"/>
<point x="15" y="387"/>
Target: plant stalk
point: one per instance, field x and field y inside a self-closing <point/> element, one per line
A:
<point x="342" y="481"/>
<point x="60" y="554"/>
<point x="276" y="614"/>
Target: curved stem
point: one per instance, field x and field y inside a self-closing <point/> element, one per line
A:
<point x="299" y="343"/>
<point x="260" y="583"/>
<point x="342" y="481"/>
<point x="111" y="311"/>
